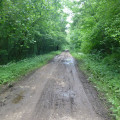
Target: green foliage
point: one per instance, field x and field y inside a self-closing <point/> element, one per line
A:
<point x="96" y="26"/>
<point x="12" y="71"/>
<point x="95" y="31"/>
<point x="105" y="74"/>
<point x="30" y="27"/>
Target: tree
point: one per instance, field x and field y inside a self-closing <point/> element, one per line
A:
<point x="30" y="27"/>
<point x="98" y="25"/>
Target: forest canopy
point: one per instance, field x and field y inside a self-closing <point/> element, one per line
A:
<point x="30" y="27"/>
<point x="90" y="28"/>
<point x="95" y="37"/>
<point x="96" y="26"/>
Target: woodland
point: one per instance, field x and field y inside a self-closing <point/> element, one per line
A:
<point x="32" y="28"/>
<point x="95" y="37"/>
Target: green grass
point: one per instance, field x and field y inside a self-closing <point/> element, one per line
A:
<point x="13" y="71"/>
<point x="105" y="74"/>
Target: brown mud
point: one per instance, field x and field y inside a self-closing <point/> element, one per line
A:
<point x="57" y="91"/>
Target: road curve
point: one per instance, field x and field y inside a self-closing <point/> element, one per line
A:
<point x="54" y="92"/>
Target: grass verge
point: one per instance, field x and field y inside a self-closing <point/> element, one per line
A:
<point x="13" y="71"/>
<point x="106" y="77"/>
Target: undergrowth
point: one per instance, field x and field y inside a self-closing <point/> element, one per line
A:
<point x="13" y="71"/>
<point x="105" y="73"/>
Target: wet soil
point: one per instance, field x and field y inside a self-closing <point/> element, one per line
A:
<point x="57" y="91"/>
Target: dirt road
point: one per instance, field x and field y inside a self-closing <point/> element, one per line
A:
<point x="55" y="92"/>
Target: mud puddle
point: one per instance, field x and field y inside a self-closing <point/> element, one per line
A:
<point x="18" y="97"/>
<point x="68" y="61"/>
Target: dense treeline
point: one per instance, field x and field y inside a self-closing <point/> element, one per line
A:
<point x="95" y="31"/>
<point x="30" y="27"/>
<point x="96" y="26"/>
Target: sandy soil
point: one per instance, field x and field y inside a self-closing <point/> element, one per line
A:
<point x="58" y="91"/>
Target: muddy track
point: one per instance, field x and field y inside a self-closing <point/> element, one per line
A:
<point x="54" y="92"/>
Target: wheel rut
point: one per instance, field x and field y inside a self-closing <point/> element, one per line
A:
<point x="54" y="92"/>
